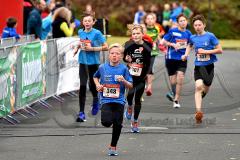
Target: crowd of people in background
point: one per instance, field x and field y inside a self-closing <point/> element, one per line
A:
<point x="166" y="16"/>
<point x="39" y="17"/>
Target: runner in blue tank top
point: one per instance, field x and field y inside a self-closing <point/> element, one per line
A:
<point x="176" y="40"/>
<point x="206" y="45"/>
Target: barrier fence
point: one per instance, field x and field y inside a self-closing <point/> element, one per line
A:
<point x="32" y="72"/>
<point x="6" y="42"/>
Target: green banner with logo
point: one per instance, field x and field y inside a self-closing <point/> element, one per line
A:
<point x="7" y="83"/>
<point x="33" y="84"/>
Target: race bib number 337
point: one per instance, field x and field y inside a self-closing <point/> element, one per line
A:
<point x="203" y="57"/>
<point x="111" y="90"/>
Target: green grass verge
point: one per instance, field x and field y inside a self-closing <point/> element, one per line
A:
<point x="230" y="44"/>
<point x="115" y="39"/>
<point x="226" y="44"/>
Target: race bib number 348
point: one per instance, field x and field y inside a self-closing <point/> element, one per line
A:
<point x="111" y="90"/>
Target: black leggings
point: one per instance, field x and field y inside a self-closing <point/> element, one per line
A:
<point x="112" y="115"/>
<point x="138" y="89"/>
<point x="85" y="72"/>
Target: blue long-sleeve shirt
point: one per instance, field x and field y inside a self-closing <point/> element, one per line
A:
<point x="10" y="32"/>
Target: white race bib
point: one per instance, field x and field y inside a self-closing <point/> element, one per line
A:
<point x="136" y="69"/>
<point x="182" y="43"/>
<point x="85" y="43"/>
<point x="111" y="90"/>
<point x="203" y="57"/>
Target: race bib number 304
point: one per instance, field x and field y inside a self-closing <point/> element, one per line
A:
<point x="111" y="90"/>
<point x="203" y="57"/>
<point x="136" y="69"/>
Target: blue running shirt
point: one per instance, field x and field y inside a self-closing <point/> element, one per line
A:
<point x="207" y="41"/>
<point x="113" y="91"/>
<point x="176" y="36"/>
<point x="96" y="39"/>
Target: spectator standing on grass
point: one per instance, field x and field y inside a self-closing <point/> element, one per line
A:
<point x="138" y="18"/>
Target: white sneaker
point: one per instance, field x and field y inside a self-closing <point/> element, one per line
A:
<point x="176" y="104"/>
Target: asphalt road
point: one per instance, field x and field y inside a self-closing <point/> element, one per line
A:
<point x="166" y="133"/>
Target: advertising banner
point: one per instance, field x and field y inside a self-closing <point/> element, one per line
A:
<point x="8" y="83"/>
<point x="33" y="82"/>
<point x="68" y="65"/>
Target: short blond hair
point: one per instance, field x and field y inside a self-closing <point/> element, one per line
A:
<point x="116" y="45"/>
<point x="137" y="26"/>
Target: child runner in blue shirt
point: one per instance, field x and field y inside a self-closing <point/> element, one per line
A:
<point x="111" y="79"/>
<point x="91" y="43"/>
<point x="176" y="40"/>
<point x="206" y="45"/>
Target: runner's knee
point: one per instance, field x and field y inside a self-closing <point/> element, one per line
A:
<point x="180" y="79"/>
<point x="199" y="88"/>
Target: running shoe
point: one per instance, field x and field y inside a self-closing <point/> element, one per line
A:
<point x="112" y="151"/>
<point x="134" y="127"/>
<point x="170" y="96"/>
<point x="81" y="117"/>
<point x="128" y="113"/>
<point x="149" y="92"/>
<point x="176" y="104"/>
<point x="198" y="117"/>
<point x="95" y="108"/>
